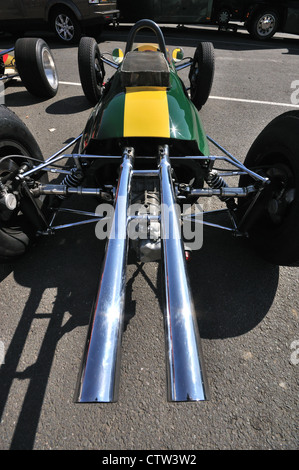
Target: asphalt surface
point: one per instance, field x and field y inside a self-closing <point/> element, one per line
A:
<point x="248" y="310"/>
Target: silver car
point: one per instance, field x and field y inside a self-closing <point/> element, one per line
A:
<point x="67" y="18"/>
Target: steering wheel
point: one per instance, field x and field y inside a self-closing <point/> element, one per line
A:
<point x="146" y="24"/>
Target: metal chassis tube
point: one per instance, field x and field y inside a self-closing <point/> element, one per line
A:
<point x="99" y="375"/>
<point x="186" y="375"/>
<point x="6" y="51"/>
<point x="233" y="192"/>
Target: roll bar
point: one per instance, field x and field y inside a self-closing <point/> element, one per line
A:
<point x="146" y="24"/>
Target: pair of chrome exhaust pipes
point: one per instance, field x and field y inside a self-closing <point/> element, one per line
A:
<point x="100" y="369"/>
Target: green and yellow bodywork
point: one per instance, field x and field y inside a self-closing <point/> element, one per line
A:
<point x="126" y="113"/>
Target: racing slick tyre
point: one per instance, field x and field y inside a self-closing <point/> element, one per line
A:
<point x="65" y="25"/>
<point x="18" y="222"/>
<point x="201" y="74"/>
<point x="273" y="222"/>
<point x="91" y="69"/>
<point x="36" y="67"/>
<point x="264" y="25"/>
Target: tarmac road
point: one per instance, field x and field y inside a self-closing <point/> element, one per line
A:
<point x="248" y="310"/>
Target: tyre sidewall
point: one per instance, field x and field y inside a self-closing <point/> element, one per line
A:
<point x="29" y="63"/>
<point x="15" y="238"/>
<point x="204" y="59"/>
<point x="279" y="138"/>
<point x="12" y="128"/>
<point x="87" y="52"/>
<point x="96" y="54"/>
<point x="41" y="46"/>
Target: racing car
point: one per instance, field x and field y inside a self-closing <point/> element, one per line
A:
<point x="144" y="160"/>
<point x="31" y="60"/>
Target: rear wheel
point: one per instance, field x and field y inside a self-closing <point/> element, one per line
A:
<point x="18" y="216"/>
<point x="201" y="74"/>
<point x="273" y="223"/>
<point x="264" y="25"/>
<point x="36" y="67"/>
<point x="223" y="16"/>
<point x="91" y="69"/>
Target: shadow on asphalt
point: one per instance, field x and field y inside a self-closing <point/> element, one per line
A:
<point x="233" y="290"/>
<point x="233" y="287"/>
<point x="72" y="105"/>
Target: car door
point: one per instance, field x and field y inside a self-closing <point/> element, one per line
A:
<point x="33" y="9"/>
<point x="18" y="9"/>
<point x="292" y="20"/>
<point x="134" y="10"/>
<point x="11" y="10"/>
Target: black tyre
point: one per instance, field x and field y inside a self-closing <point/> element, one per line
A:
<point x="201" y="74"/>
<point x="273" y="223"/>
<point x="36" y="67"/>
<point x="264" y="25"/>
<point x="91" y="69"/>
<point x="66" y="26"/>
<point x="17" y="226"/>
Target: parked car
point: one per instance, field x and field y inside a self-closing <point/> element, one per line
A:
<point x="67" y="18"/>
<point x="262" y="18"/>
<point x="166" y="11"/>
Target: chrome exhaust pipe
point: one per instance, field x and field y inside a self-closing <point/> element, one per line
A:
<point x="99" y="376"/>
<point x="186" y="376"/>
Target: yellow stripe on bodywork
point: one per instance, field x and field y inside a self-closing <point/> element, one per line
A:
<point x="146" y="112"/>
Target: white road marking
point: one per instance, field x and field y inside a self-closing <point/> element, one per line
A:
<point x="70" y="83"/>
<point x="248" y="59"/>
<point x="241" y="100"/>
<point x="224" y="98"/>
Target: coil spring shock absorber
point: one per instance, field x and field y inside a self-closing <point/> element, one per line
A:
<point x="215" y="181"/>
<point x="72" y="180"/>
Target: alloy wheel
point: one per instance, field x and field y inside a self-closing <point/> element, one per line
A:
<point x="64" y="27"/>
